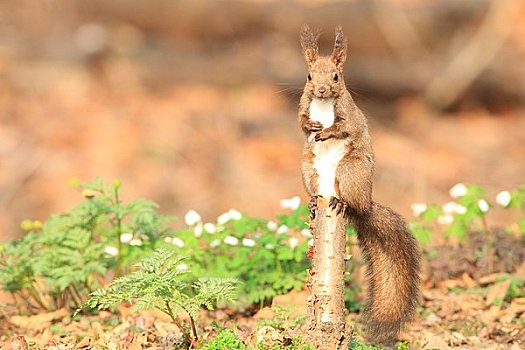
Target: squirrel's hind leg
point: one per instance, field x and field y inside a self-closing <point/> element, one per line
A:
<point x="354" y="183"/>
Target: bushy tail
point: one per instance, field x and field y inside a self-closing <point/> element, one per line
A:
<point x="392" y="258"/>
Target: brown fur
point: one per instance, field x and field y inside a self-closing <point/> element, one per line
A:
<point x="390" y="250"/>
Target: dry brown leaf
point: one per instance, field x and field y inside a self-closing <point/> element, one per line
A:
<point x="265" y="313"/>
<point x="468" y="282"/>
<point x="516" y="308"/>
<point x="456" y="339"/>
<point x="488" y="279"/>
<point x="434" y="341"/>
<point x="17" y="343"/>
<point x="491" y="315"/>
<point x="497" y="292"/>
<point x="432" y="294"/>
<point x="38" y="322"/>
<point x="84" y="343"/>
<point x="520" y="271"/>
<point x="135" y="346"/>
<point x="165" y="328"/>
<point x="432" y="320"/>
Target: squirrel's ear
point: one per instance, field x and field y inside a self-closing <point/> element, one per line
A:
<point x="339" y="53"/>
<point x="309" y="45"/>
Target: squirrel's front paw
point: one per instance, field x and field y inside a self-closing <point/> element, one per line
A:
<point x="322" y="136"/>
<point x="312" y="206"/>
<point x="338" y="205"/>
<point x="313" y="126"/>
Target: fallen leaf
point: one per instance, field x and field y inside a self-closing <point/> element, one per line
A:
<point x="432" y="319"/>
<point x="488" y="279"/>
<point x="516" y="308"/>
<point x="84" y="343"/>
<point x="456" y="339"/>
<point x="38" y="322"/>
<point x="135" y="346"/>
<point x="18" y="343"/>
<point x="468" y="281"/>
<point x="497" y="292"/>
<point x="433" y="341"/>
<point x="520" y="271"/>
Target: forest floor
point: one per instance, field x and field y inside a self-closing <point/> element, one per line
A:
<point x="463" y="307"/>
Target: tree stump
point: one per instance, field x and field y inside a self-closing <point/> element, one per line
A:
<point x="327" y="328"/>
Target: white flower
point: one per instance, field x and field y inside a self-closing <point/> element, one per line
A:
<point x="177" y="241"/>
<point x="453" y="208"/>
<point x="460" y="209"/>
<point x="168" y="239"/>
<point x="293" y="242"/>
<point x="135" y="242"/>
<point x="192" y="217"/>
<point x="111" y="251"/>
<point x="210" y="228"/>
<point x="215" y="243"/>
<point x="282" y="229"/>
<point x="248" y="242"/>
<point x="306" y="232"/>
<point x="449" y="207"/>
<point x="445" y="219"/>
<point x="271" y="225"/>
<point x="458" y="190"/>
<point x="269" y="246"/>
<point x="311" y="242"/>
<point x="231" y="214"/>
<point x="291" y="203"/>
<point x="234" y="214"/>
<point x="503" y="198"/>
<point x="231" y="240"/>
<point x="223" y="218"/>
<point x="182" y="267"/>
<point x="418" y="208"/>
<point x="126" y="237"/>
<point x="197" y="230"/>
<point x="483" y="205"/>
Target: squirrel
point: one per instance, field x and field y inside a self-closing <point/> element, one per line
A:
<point x="338" y="165"/>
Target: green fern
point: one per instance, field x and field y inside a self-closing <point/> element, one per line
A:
<point x="159" y="283"/>
<point x="60" y="262"/>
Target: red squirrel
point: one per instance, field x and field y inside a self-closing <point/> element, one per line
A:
<point x="338" y="164"/>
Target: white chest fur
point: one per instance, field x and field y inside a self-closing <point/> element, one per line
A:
<point x="322" y="111"/>
<point x="327" y="154"/>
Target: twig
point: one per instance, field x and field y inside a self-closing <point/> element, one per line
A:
<point x="169" y="312"/>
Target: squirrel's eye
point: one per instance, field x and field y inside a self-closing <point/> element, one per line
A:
<point x="309" y="77"/>
<point x="336" y="77"/>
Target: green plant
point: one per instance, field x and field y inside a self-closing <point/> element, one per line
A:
<point x="357" y="345"/>
<point x="159" y="283"/>
<point x="285" y="317"/>
<point x="514" y="199"/>
<point x="516" y="288"/>
<point x="268" y="257"/>
<point x="456" y="218"/>
<point x="294" y="344"/>
<point x="225" y="339"/>
<point x="58" y="263"/>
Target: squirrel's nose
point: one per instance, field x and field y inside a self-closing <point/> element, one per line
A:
<point x="322" y="90"/>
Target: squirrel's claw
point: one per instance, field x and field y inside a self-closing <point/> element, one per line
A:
<point x="315" y="126"/>
<point x="321" y="136"/>
<point x="312" y="207"/>
<point x="338" y="205"/>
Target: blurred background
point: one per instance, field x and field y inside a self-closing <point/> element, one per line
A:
<point x="193" y="103"/>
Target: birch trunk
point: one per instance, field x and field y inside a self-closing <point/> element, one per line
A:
<point x="327" y="329"/>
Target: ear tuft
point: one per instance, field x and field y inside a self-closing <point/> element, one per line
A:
<point x="339" y="53"/>
<point x="309" y="44"/>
